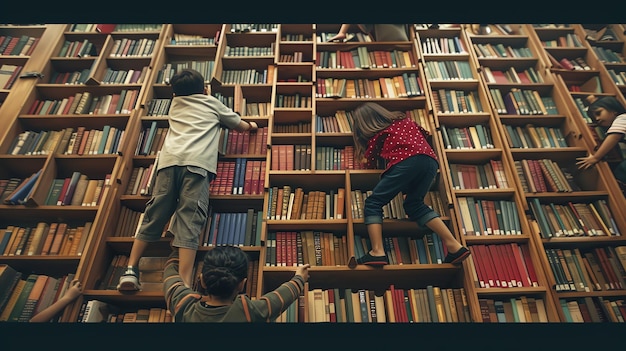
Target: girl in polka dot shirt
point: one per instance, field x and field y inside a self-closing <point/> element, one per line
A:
<point x="410" y="167"/>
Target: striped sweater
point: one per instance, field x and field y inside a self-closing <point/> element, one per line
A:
<point x="185" y="304"/>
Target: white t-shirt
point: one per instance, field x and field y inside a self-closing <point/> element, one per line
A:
<point x="618" y="125"/>
<point x="194" y="131"/>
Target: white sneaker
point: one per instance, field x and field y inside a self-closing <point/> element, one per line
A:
<point x="129" y="281"/>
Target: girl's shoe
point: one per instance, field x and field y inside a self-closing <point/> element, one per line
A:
<point x="457" y="257"/>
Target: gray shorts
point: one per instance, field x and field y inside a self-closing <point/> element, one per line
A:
<point x="180" y="196"/>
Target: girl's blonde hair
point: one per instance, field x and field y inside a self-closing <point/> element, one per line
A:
<point x="369" y="119"/>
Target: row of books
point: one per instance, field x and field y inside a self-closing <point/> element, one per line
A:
<point x="287" y="203"/>
<point x="443" y="45"/>
<point x="488" y="217"/>
<point x="457" y="101"/>
<point x="205" y="67"/>
<point x="324" y="37"/>
<point x="573" y="218"/>
<point x="500" y="50"/>
<point x="295" y="248"/>
<point x="521" y="309"/>
<point x="296" y="127"/>
<point x="522" y="102"/>
<point x="245" y="76"/>
<point x="489" y="175"/>
<point x="77" y="48"/>
<point x="406" y="84"/>
<point x="432" y="304"/>
<point x="448" y="70"/>
<point x="511" y="75"/>
<point x="544" y="175"/>
<point x="22" y="297"/>
<point x="97" y="311"/>
<point x="531" y="136"/>
<point x="250" y="50"/>
<point x="361" y="57"/>
<point x="593" y="309"/>
<point x="619" y="77"/>
<point x="193" y="39"/>
<point x="151" y="139"/>
<point x="77" y="190"/>
<point x="563" y="41"/>
<point x="142" y="180"/>
<point x="251" y="142"/>
<point x="607" y="55"/>
<point x="8" y="75"/>
<point x="296" y="56"/>
<point x="594" y="269"/>
<point x="232" y="228"/>
<point x="158" y="107"/>
<point x="287" y="157"/>
<point x="296" y="100"/>
<point x="87" y="103"/>
<point x="401" y="250"/>
<point x="471" y="137"/>
<point x="125" y="76"/>
<point x="45" y="239"/>
<point x="506" y="265"/>
<point x="328" y="158"/>
<point x="128" y="47"/>
<point x="18" y="45"/>
<point x="18" y="191"/>
<point x="392" y="210"/>
<point x="239" y="177"/>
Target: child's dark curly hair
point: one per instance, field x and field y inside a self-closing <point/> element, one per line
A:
<point x="224" y="267"/>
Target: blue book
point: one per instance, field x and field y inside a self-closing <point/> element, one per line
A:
<point x="213" y="229"/>
<point x="151" y="132"/>
<point x="220" y="236"/>
<point x="67" y="197"/>
<point x="229" y="229"/>
<point x="105" y="135"/>
<point x="237" y="229"/>
<point x="22" y="195"/>
<point x="242" y="175"/>
<point x="5" y="239"/>
<point x="421" y="251"/>
<point x="259" y="222"/>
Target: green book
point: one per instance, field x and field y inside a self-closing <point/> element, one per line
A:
<point x="105" y="135"/>
<point x="349" y="308"/>
<point x="565" y="309"/>
<point x="432" y="307"/>
<point x="339" y="311"/>
<point x="21" y="300"/>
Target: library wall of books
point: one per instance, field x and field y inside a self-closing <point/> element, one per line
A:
<point x="84" y="115"/>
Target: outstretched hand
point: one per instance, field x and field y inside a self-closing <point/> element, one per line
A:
<point x="586" y="162"/>
<point x="338" y="37"/>
<point x="74" y="290"/>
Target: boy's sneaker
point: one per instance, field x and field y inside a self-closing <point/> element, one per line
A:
<point x="129" y="281"/>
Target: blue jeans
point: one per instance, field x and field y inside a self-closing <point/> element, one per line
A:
<point x="414" y="177"/>
<point x="181" y="191"/>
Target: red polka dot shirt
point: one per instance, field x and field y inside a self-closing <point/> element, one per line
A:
<point x="400" y="140"/>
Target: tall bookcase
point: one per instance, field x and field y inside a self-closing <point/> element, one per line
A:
<point x="300" y="89"/>
<point x="482" y="207"/>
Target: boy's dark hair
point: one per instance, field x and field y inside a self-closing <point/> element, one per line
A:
<point x="224" y="267"/>
<point x="609" y="103"/>
<point x="187" y="82"/>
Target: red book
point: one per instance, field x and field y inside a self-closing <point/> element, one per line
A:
<point x="334" y="305"/>
<point x="275" y="157"/>
<point x="515" y="255"/>
<point x="105" y="28"/>
<point x="511" y="265"/>
<point x="499" y="266"/>
<point x="480" y="272"/>
<point x="499" y="77"/>
<point x="529" y="265"/>
<point x="66" y="184"/>
<point x="485" y="261"/>
<point x="247" y="180"/>
<point x="566" y="64"/>
<point x="607" y="269"/>
<point x="261" y="187"/>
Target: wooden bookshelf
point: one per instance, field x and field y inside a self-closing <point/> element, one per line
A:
<point x="285" y="65"/>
